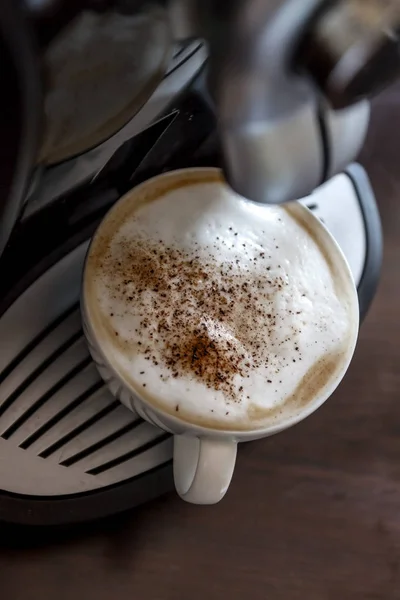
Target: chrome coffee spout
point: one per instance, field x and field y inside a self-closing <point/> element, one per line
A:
<point x="267" y="113"/>
<point x="289" y="79"/>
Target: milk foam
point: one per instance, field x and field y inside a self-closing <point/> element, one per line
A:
<point x="217" y="309"/>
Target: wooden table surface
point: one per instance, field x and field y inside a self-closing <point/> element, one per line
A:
<point x="313" y="513"/>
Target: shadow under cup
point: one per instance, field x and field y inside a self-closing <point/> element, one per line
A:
<point x="205" y="452"/>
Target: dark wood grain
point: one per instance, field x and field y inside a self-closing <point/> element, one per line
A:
<point x="313" y="513"/>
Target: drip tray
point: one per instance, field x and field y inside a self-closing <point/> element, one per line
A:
<point x="68" y="450"/>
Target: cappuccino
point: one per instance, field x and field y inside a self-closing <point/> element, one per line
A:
<point x="219" y="311"/>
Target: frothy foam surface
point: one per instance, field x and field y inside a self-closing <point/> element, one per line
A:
<point x="220" y="311"/>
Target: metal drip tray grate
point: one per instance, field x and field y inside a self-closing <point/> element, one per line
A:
<point x="61" y="431"/>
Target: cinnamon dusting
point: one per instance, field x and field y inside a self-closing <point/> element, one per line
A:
<point x="197" y="317"/>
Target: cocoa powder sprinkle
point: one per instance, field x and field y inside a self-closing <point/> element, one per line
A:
<point x="196" y="317"/>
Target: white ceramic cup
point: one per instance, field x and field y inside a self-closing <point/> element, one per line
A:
<point x="204" y="458"/>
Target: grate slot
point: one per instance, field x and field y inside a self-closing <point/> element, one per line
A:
<point x="61" y="400"/>
<point x="40" y="386"/>
<point x="78" y="430"/>
<point x="36" y="341"/>
<point x="129" y="455"/>
<point x="39" y="370"/>
<point x="117" y="446"/>
<point x="120" y="418"/>
<point x="159" y="454"/>
<point x="55" y="388"/>
<point x="60" y="415"/>
<point x="102" y="443"/>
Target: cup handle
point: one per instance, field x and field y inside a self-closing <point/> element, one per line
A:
<point x="203" y="468"/>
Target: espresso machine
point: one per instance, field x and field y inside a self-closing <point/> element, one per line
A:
<point x="99" y="96"/>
